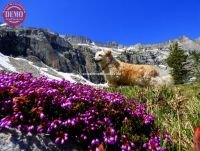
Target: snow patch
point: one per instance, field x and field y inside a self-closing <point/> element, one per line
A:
<point x="62" y="36"/>
<point x="47" y="71"/>
<point x="4" y="24"/>
<point x="5" y="63"/>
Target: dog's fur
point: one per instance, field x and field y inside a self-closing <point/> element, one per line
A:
<point x="118" y="73"/>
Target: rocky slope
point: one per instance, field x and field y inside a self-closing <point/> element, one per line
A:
<point x="50" y="48"/>
<point x="38" y="68"/>
<point x="74" y="54"/>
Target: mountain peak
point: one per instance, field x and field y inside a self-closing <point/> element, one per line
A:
<point x="184" y="38"/>
<point x="197" y="39"/>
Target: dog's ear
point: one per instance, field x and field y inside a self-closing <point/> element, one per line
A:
<point x="108" y="52"/>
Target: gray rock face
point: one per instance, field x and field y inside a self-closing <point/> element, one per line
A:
<point x="147" y="57"/>
<point x="189" y="44"/>
<point x="84" y="40"/>
<point x="111" y="44"/>
<point x="157" y="54"/>
<point x="78" y="39"/>
<point x="14" y="140"/>
<point x="50" y="48"/>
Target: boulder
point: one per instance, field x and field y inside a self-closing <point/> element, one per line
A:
<point x="12" y="139"/>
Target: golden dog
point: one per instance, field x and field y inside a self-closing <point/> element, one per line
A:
<point x="118" y="73"/>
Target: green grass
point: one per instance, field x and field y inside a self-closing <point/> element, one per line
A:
<point x="177" y="109"/>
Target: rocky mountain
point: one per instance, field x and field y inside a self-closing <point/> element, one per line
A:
<point x="189" y="44"/>
<point x="155" y="54"/>
<point x="74" y="54"/>
<point x="197" y="40"/>
<point x="84" y="40"/>
<point x="40" y="45"/>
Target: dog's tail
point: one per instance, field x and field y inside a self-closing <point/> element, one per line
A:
<point x="162" y="80"/>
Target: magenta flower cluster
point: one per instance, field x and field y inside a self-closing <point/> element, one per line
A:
<point x="154" y="142"/>
<point x="77" y="113"/>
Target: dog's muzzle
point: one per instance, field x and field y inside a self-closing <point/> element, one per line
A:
<point x="97" y="61"/>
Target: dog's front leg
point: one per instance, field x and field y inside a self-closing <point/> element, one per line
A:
<point x="112" y="84"/>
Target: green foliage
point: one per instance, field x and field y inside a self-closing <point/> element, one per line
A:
<point x="177" y="60"/>
<point x="177" y="109"/>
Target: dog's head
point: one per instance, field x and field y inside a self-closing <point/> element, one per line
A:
<point x="102" y="56"/>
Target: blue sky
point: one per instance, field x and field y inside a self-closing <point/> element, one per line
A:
<point x="125" y="21"/>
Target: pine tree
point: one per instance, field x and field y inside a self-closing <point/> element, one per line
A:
<point x="177" y="60"/>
